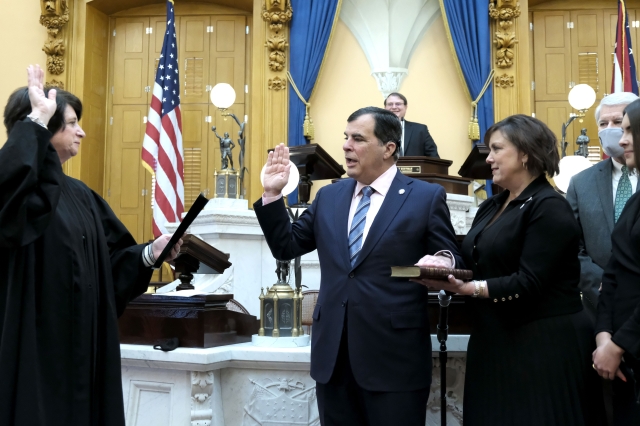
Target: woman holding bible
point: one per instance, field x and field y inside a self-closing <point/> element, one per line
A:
<point x="68" y="267"/>
<point x="617" y="357"/>
<point x="529" y="354"/>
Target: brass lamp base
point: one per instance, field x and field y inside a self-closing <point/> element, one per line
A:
<point x="227" y="184"/>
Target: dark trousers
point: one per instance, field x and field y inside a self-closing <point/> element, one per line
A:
<point x="626" y="411"/>
<point x="343" y="402"/>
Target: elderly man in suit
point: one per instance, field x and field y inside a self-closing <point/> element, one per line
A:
<point x="415" y="139"/>
<point x="371" y="347"/>
<point x="595" y="199"/>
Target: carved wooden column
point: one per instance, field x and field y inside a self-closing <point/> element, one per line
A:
<point x="510" y="58"/>
<point x="54" y="17"/>
<point x="269" y="97"/>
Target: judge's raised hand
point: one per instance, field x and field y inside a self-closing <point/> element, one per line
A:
<point x="42" y="107"/>
<point x="276" y="174"/>
<point x="161" y="242"/>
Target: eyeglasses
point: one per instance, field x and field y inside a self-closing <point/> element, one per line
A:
<point x="395" y="104"/>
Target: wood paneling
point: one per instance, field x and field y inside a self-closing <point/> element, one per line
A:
<point x="227" y="54"/>
<point x="194" y="58"/>
<point x="127" y="176"/>
<point x="131" y="61"/>
<point x="552" y="43"/>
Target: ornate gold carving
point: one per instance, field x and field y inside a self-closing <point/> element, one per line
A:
<point x="504" y="12"/>
<point x="503" y="81"/>
<point x="55" y="83"/>
<point x="277" y="13"/>
<point x="277" y="83"/>
<point x="54" y="16"/>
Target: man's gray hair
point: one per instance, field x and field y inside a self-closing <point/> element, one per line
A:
<point x="620" y="98"/>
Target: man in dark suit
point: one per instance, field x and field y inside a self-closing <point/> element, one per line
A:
<point x="416" y="140"/>
<point x="370" y="347"/>
<point x="592" y="194"/>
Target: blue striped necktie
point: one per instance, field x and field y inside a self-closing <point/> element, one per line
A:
<point x="357" y="224"/>
<point x="623" y="193"/>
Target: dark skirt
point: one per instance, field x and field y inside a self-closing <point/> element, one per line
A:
<point x="536" y="373"/>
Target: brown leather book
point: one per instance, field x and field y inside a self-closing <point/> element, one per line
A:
<point x="432" y="273"/>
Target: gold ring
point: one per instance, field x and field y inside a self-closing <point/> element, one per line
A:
<point x="594" y="366"/>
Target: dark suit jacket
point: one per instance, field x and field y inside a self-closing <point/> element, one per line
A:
<point x="591" y="197"/>
<point x="388" y="326"/>
<point x="619" y="305"/>
<point x="418" y="141"/>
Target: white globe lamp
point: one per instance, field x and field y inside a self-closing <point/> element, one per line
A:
<point x="222" y="96"/>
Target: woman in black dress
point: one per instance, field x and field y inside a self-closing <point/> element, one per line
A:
<point x="617" y="357"/>
<point x="528" y="359"/>
<point x="68" y="267"/>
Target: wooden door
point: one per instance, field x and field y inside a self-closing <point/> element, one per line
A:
<point x="129" y="184"/>
<point x="228" y="45"/>
<point x="131" y="61"/>
<point x="587" y="50"/>
<point x="158" y="25"/>
<point x="194" y="58"/>
<point x="552" y="56"/>
<point x="554" y="114"/>
<point x="195" y="136"/>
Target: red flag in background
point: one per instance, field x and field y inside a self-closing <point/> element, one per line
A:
<point x="162" y="146"/>
<point x="624" y="67"/>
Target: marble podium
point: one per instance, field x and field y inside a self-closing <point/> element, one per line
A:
<point x="241" y="384"/>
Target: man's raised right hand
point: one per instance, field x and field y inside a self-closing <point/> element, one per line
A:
<point x="276" y="174"/>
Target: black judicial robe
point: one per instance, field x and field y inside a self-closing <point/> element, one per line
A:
<point x="68" y="267"/>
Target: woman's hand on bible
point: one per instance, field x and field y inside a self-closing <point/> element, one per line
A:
<point x="42" y="107"/>
<point x="161" y="242"/>
<point x="451" y="285"/>
<point x="607" y="358"/>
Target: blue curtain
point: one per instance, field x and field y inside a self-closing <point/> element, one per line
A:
<point x="311" y="27"/>
<point x="470" y="31"/>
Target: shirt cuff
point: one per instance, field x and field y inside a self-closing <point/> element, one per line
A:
<point x="266" y="200"/>
<point x="448" y="255"/>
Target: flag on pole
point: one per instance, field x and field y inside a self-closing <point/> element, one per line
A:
<point x="624" y="67"/>
<point x="162" y="146"/>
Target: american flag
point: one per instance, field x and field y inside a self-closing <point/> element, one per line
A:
<point x="624" y="68"/>
<point x="162" y="145"/>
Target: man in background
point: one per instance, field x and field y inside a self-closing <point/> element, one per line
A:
<point x="597" y="197"/>
<point x="416" y="140"/>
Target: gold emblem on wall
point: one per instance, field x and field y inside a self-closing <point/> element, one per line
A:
<point x="503" y="81"/>
<point x="277" y="45"/>
<point x="277" y="83"/>
<point x="277" y="13"/>
<point x="55" y="83"/>
<point x="54" y="16"/>
<point x="504" y="12"/>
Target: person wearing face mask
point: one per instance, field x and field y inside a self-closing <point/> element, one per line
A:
<point x="617" y="357"/>
<point x="596" y="201"/>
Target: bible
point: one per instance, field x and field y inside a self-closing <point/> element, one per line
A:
<point x="431" y="273"/>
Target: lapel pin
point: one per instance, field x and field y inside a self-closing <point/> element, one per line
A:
<point x="401" y="192"/>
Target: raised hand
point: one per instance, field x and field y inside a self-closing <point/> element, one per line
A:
<point x="42" y="107"/>
<point x="276" y="174"/>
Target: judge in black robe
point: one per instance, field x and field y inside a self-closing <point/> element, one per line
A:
<point x="68" y="267"/>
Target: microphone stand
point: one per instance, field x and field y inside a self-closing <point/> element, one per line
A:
<point x="444" y="298"/>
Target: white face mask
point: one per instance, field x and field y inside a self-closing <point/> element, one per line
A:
<point x="609" y="139"/>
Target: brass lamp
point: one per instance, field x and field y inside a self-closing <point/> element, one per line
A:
<point x="281" y="307"/>
<point x="581" y="97"/>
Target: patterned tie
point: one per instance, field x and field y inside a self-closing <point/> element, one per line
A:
<point x="357" y="224"/>
<point x="623" y="193"/>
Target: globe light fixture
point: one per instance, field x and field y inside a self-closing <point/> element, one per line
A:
<point x="222" y="96"/>
<point x="581" y="97"/>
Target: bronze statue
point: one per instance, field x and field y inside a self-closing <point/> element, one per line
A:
<point x="582" y="141"/>
<point x="226" y="145"/>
